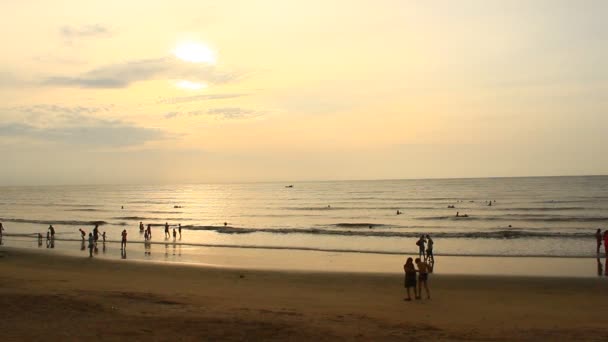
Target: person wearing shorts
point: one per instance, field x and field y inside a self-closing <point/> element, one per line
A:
<point x="423" y="277"/>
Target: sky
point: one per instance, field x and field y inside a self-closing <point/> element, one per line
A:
<point x="99" y="92"/>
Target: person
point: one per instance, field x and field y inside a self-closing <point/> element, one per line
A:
<point x="1" y="229"/>
<point x="423" y="277"/>
<point x="123" y="242"/>
<point x="410" y="278"/>
<point x="52" y="230"/>
<point x="606" y="243"/>
<point x="398" y="212"/>
<point x="103" y="236"/>
<point x="141" y="227"/>
<point x="146" y="235"/>
<point x="179" y="227"/>
<point x="457" y="214"/>
<point x="429" y="249"/>
<point x="167" y="235"/>
<point x="174" y="234"/>
<point x="82" y="234"/>
<point x="96" y="233"/>
<point x="420" y="243"/>
<point x="91" y="244"/>
<point x="225" y="224"/>
<point x="598" y="238"/>
<point x="149" y="231"/>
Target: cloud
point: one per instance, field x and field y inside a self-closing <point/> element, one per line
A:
<point x="233" y="113"/>
<point x="228" y="113"/>
<point x="104" y="134"/>
<point x="184" y="99"/>
<point x="121" y="75"/>
<point x="84" y="131"/>
<point x="171" y="115"/>
<point x="85" y="31"/>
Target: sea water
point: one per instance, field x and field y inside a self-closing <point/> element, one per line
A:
<point x="537" y="216"/>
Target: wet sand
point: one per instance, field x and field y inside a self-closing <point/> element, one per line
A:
<point x="58" y="298"/>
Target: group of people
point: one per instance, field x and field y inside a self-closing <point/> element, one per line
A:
<point x="94" y="238"/>
<point x="599" y="237"/>
<point x="425" y="248"/>
<point x="422" y="269"/>
<point x="424" y="265"/>
<point x="148" y="231"/>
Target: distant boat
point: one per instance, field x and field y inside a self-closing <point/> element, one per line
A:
<point x="289" y="186"/>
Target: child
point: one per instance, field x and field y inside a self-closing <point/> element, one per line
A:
<point x="104" y="237"/>
<point x="174" y="234"/>
<point x="423" y="269"/>
<point x="91" y="244"/>
<point x="410" y="278"/>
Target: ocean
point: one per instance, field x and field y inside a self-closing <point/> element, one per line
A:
<point x="536" y="216"/>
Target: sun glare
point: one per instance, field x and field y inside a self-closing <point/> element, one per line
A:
<point x="189" y="85"/>
<point x="194" y="52"/>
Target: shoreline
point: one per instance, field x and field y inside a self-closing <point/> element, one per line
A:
<point x="331" y="262"/>
<point x="113" y="300"/>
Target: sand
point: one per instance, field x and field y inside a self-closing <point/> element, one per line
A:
<point x="60" y="298"/>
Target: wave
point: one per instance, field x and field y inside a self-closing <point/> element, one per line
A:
<point x="167" y="243"/>
<point x="530" y="218"/>
<point x="140" y="218"/>
<point x="63" y="222"/>
<point x="497" y="234"/>
<point x="358" y="225"/>
<point x="362" y="208"/>
<point x="541" y="209"/>
<point x="84" y="209"/>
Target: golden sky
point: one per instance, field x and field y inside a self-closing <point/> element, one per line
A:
<point x="222" y="91"/>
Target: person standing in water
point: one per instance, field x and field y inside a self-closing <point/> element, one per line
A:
<point x="410" y="278"/>
<point x="598" y="238"/>
<point x="606" y="244"/>
<point x="141" y="227"/>
<point x="123" y="242"/>
<point x="91" y="244"/>
<point x="149" y="231"/>
<point x="420" y="243"/>
<point x="179" y="227"/>
<point x="167" y="235"/>
<point x="429" y="249"/>
<point x="52" y="230"/>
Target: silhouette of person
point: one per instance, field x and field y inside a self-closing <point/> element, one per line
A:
<point x="410" y="278"/>
<point x="167" y="235"/>
<point x="179" y="227"/>
<point x="420" y="243"/>
<point x="423" y="277"/>
<point x="123" y="242"/>
<point x="91" y="244"/>
<point x="606" y="242"/>
<point x="598" y="238"/>
<point x="429" y="249"/>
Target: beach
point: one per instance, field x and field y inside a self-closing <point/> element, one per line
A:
<point x="71" y="298"/>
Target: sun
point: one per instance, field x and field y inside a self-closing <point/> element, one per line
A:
<point x="194" y="52"/>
